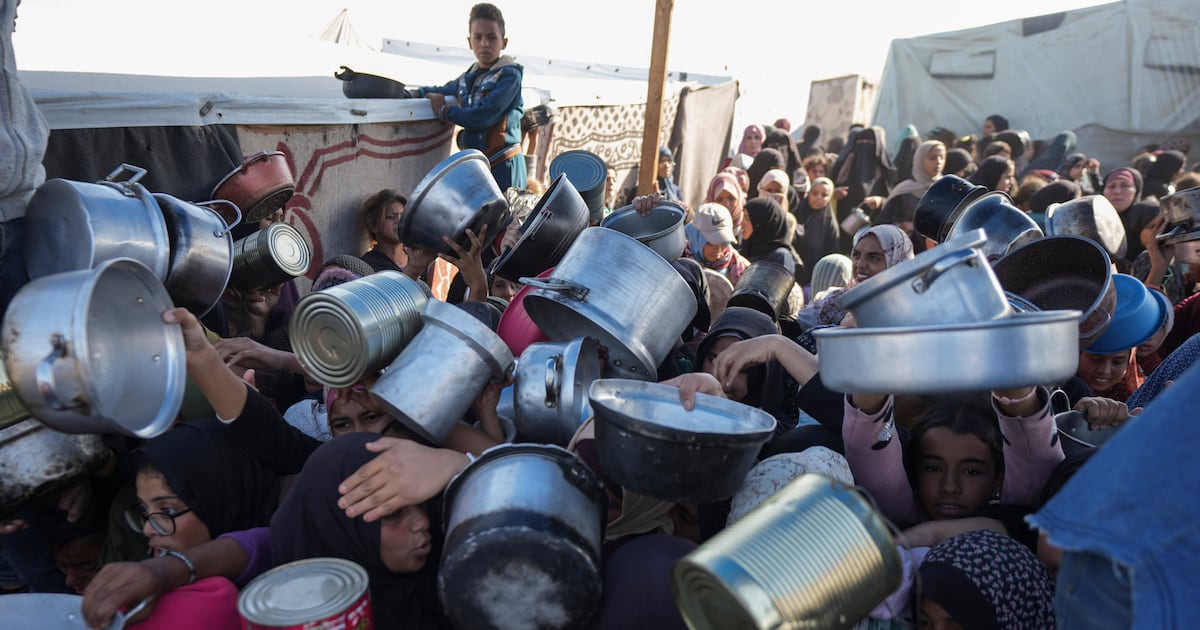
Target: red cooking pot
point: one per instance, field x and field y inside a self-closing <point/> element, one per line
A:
<point x="260" y="186"/>
<point x="516" y="328"/>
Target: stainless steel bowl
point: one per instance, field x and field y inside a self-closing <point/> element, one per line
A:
<point x="661" y="230"/>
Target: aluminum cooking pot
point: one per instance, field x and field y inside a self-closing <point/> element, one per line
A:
<point x="1073" y="427"/>
<point x="941" y="204"/>
<point x="647" y="442"/>
<point x="636" y="313"/>
<point x="363" y="85"/>
<point x="459" y="193"/>
<point x="588" y="173"/>
<point x="661" y="230"/>
<point x="1016" y="351"/>
<point x="524" y="525"/>
<point x="550" y="396"/>
<point x="88" y="351"/>
<point x="816" y="554"/>
<point x="1092" y="217"/>
<point x="201" y="251"/>
<point x="1007" y="226"/>
<point x="441" y="371"/>
<point x="949" y="284"/>
<point x="37" y="459"/>
<point x="270" y="256"/>
<point x="1063" y="272"/>
<point x="75" y="225"/>
<point x="260" y="185"/>
<point x="764" y="287"/>
<point x="1182" y="207"/>
<point x="345" y="332"/>
<point x="553" y="224"/>
<point x="1186" y="245"/>
<point x="51" y="611"/>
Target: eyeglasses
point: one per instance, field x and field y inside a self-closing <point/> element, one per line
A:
<point x="161" y="522"/>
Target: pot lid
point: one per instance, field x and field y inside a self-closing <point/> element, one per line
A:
<point x="586" y="170"/>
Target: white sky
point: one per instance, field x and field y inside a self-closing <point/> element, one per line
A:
<point x="774" y="47"/>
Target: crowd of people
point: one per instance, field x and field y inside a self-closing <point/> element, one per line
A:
<point x="267" y="465"/>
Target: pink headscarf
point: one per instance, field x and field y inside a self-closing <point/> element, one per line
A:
<point x="762" y="134"/>
<point x="727" y="182"/>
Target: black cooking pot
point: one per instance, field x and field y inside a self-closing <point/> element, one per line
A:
<point x="588" y="173"/>
<point x="1063" y="272"/>
<point x="538" y="116"/>
<point x="363" y="85"/>
<point x="559" y="216"/>
<point x="764" y="287"/>
<point x="940" y="206"/>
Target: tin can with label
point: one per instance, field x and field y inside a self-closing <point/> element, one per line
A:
<point x="313" y="594"/>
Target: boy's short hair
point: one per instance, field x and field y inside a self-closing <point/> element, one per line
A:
<point x="487" y="11"/>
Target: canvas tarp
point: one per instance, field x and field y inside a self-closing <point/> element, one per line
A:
<point x="1121" y="75"/>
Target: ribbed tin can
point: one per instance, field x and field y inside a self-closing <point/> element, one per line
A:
<point x="270" y="256"/>
<point x="313" y="594"/>
<point x="344" y="332"/>
<point x="813" y="555"/>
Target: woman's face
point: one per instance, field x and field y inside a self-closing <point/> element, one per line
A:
<point x="405" y="541"/>
<point x="935" y="161"/>
<point x="1151" y="345"/>
<point x="1120" y="192"/>
<point x="357" y="412"/>
<point x="753" y="139"/>
<point x="741" y="382"/>
<point x="727" y="199"/>
<point x="818" y="196"/>
<point x="772" y="187"/>
<point x="1008" y="179"/>
<point x="989" y="129"/>
<point x="956" y="474"/>
<point x="867" y="258"/>
<point x="1076" y="172"/>
<point x="1102" y="371"/>
<point x="665" y="167"/>
<point x="388" y="230"/>
<point x="154" y="495"/>
<point x="713" y="251"/>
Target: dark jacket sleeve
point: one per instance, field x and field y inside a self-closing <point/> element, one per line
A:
<point x="268" y="438"/>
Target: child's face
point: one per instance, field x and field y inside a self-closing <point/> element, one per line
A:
<point x="956" y="474"/>
<point x="1102" y="371"/>
<point x="405" y="539"/>
<point x="487" y="41"/>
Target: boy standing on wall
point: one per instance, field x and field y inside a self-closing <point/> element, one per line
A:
<point x="489" y="107"/>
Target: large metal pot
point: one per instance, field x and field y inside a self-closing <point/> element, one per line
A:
<point x="459" y="193"/>
<point x="37" y="459"/>
<point x="1186" y="245"/>
<point x="1006" y="225"/>
<point x="941" y="204"/>
<point x="53" y="611"/>
<point x="636" y="314"/>
<point x="816" y="554"/>
<point x="363" y="85"/>
<point x="555" y="222"/>
<point x="550" y="395"/>
<point x="201" y="251"/>
<point x="441" y="371"/>
<point x="661" y="230"/>
<point x="345" y="332"/>
<point x="1182" y="207"/>
<point x="1063" y="272"/>
<point x="260" y="185"/>
<point x="1016" y="351"/>
<point x="270" y="256"/>
<point x="1092" y="217"/>
<point x="588" y="174"/>
<point x="764" y="287"/>
<point x="524" y="525"/>
<point x="647" y="442"/>
<point x="88" y="351"/>
<point x="75" y="225"/>
<point x="949" y="284"/>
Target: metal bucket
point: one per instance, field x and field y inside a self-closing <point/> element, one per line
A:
<point x="813" y="555"/>
<point x="524" y="526"/>
<point x="764" y="287"/>
<point x="636" y="313"/>
<point x="440" y="373"/>
<point x="312" y="593"/>
<point x="270" y="256"/>
<point x="346" y="331"/>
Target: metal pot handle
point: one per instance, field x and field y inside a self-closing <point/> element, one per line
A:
<point x="137" y="173"/>
<point x="1059" y="402"/>
<point x="228" y="226"/>
<point x="575" y="291"/>
<point x="553" y="380"/>
<point x="121" y="619"/>
<point x="44" y="373"/>
<point x="257" y="157"/>
<point x="948" y="262"/>
<point x="1101" y="325"/>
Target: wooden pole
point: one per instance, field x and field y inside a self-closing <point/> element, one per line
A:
<point x="648" y="171"/>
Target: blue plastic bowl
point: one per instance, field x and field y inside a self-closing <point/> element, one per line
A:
<point x="1138" y="316"/>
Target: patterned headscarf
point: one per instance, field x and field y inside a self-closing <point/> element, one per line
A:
<point x="985" y="579"/>
<point x="777" y="471"/>
<point x="897" y="248"/>
<point x="725" y="181"/>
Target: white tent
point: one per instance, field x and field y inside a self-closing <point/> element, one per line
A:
<point x="1120" y="75"/>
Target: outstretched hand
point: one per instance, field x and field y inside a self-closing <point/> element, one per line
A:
<point x="691" y="384"/>
<point x="404" y="473"/>
<point x="470" y="262"/>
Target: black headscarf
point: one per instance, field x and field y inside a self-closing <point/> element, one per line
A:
<point x="1059" y="191"/>
<point x="693" y="275"/>
<point x="990" y="171"/>
<point x="956" y="160"/>
<point x="904" y="157"/>
<point x="1069" y="162"/>
<point x="812" y="133"/>
<point x="226" y="488"/>
<point x="309" y="524"/>
<point x="766" y="160"/>
<point x="782" y="142"/>
<point x="765" y="389"/>
<point x="770" y="229"/>
<point x="1161" y="172"/>
<point x="1052" y="156"/>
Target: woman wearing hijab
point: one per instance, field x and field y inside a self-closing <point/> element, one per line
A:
<point x="1060" y="191"/>
<point x="1168" y="166"/>
<point x="762" y="386"/>
<point x="901" y="205"/>
<point x="1123" y="188"/>
<point x="1085" y="172"/>
<point x="875" y="249"/>
<point x="817" y="230"/>
<point x="957" y="162"/>
<point x="768" y="159"/>
<point x="904" y="157"/>
<point x="863" y="169"/>
<point x="808" y="145"/>
<point x="768" y="237"/>
<point x="751" y="143"/>
<point x="710" y="242"/>
<point x="782" y="142"/>
<point x="1050" y="158"/>
<point x="996" y="173"/>
<point x="725" y="190"/>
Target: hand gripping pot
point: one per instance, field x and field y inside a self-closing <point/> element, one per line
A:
<point x="75" y="225"/>
<point x="88" y="352"/>
<point x="615" y="289"/>
<point x="813" y="555"/>
<point x="441" y="371"/>
<point x="459" y="193"/>
<point x="949" y="284"/>
<point x="524" y="525"/>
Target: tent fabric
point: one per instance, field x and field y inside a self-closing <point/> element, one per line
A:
<point x="1128" y="70"/>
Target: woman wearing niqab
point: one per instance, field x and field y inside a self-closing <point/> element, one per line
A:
<point x="864" y="169"/>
